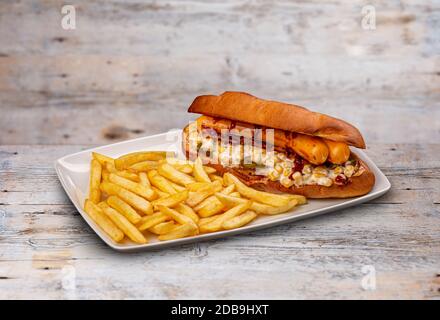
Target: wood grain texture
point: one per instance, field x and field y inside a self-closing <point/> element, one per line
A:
<point x="132" y="68"/>
<point x="399" y="234"/>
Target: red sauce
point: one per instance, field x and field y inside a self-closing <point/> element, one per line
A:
<point x="298" y="164"/>
<point x="341" y="180"/>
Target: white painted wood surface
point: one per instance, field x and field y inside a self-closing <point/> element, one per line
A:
<point x="42" y="235"/>
<point x="131" y="68"/>
<point x="129" y="61"/>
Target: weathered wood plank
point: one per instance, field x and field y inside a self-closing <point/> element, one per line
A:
<point x="398" y="234"/>
<point x="84" y="119"/>
<point x="110" y="81"/>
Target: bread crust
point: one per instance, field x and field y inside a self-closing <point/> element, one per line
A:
<point x="244" y="107"/>
<point x="357" y="186"/>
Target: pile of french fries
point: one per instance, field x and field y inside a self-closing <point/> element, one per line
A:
<point x="154" y="192"/>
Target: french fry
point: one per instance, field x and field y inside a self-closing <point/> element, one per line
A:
<point x="171" y="173"/>
<point x="130" y="159"/>
<point x="160" y="182"/>
<point x="144" y="166"/>
<point x="163" y="227"/>
<point x="209" y="207"/>
<point x="180" y="232"/>
<point x="102" y="159"/>
<point x="258" y="207"/>
<point x="110" y="167"/>
<point x="300" y="199"/>
<point x="150" y="221"/>
<point x="103" y="221"/>
<point x="235" y="194"/>
<point x="143" y="179"/>
<point x="240" y="220"/>
<point x="217" y="186"/>
<point x="160" y="193"/>
<point x="215" y="177"/>
<point x="230" y="201"/>
<point x="206" y="220"/>
<point x="209" y="170"/>
<point x="204" y="192"/>
<point x="105" y="174"/>
<point x="264" y="197"/>
<point x="177" y="216"/>
<point x="228" y="189"/>
<point x="201" y="186"/>
<point x="175" y="161"/>
<point x="171" y="200"/>
<point x="131" y="198"/>
<point x="185" y="168"/>
<point x="199" y="172"/>
<point x="196" y="197"/>
<point x="177" y="187"/>
<point x="134" y="187"/>
<point x="124" y="208"/>
<point x="103" y="205"/>
<point x="95" y="181"/>
<point x="261" y="208"/>
<point x="128" y="175"/>
<point x="196" y="186"/>
<point x="187" y="211"/>
<point x="216" y="224"/>
<point x="125" y="225"/>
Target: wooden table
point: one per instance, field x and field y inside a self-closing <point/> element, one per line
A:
<point x="132" y="68"/>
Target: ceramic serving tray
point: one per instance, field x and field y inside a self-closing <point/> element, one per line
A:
<point x="73" y="172"/>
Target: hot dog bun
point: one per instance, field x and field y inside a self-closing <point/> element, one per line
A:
<point x="244" y="107"/>
<point x="358" y="185"/>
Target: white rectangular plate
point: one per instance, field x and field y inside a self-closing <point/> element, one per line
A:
<point x="73" y="172"/>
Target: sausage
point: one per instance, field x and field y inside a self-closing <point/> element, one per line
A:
<point x="339" y="152"/>
<point x="313" y="149"/>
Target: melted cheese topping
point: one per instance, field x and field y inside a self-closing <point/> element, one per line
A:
<point x="277" y="166"/>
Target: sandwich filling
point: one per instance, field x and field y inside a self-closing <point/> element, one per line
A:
<point x="286" y="167"/>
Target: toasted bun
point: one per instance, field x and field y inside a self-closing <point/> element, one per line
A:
<point x="244" y="107"/>
<point x="357" y="186"/>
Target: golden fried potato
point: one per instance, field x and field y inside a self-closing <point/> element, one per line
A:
<point x="134" y="187"/>
<point x="131" y="198"/>
<point x="217" y="224"/>
<point x="150" y="221"/>
<point x="170" y="201"/>
<point x="99" y="217"/>
<point x="171" y="173"/>
<point x="124" y="208"/>
<point x="240" y="220"/>
<point x="199" y="171"/>
<point x="130" y="159"/>
<point x="95" y="181"/>
<point x="125" y="225"/>
<point x="180" y="232"/>
<point x="264" y="197"/>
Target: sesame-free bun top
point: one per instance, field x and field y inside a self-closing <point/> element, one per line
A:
<point x="240" y="106"/>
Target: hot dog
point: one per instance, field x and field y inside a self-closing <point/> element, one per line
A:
<point x="311" y="151"/>
<point x="339" y="152"/>
<point x="315" y="150"/>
